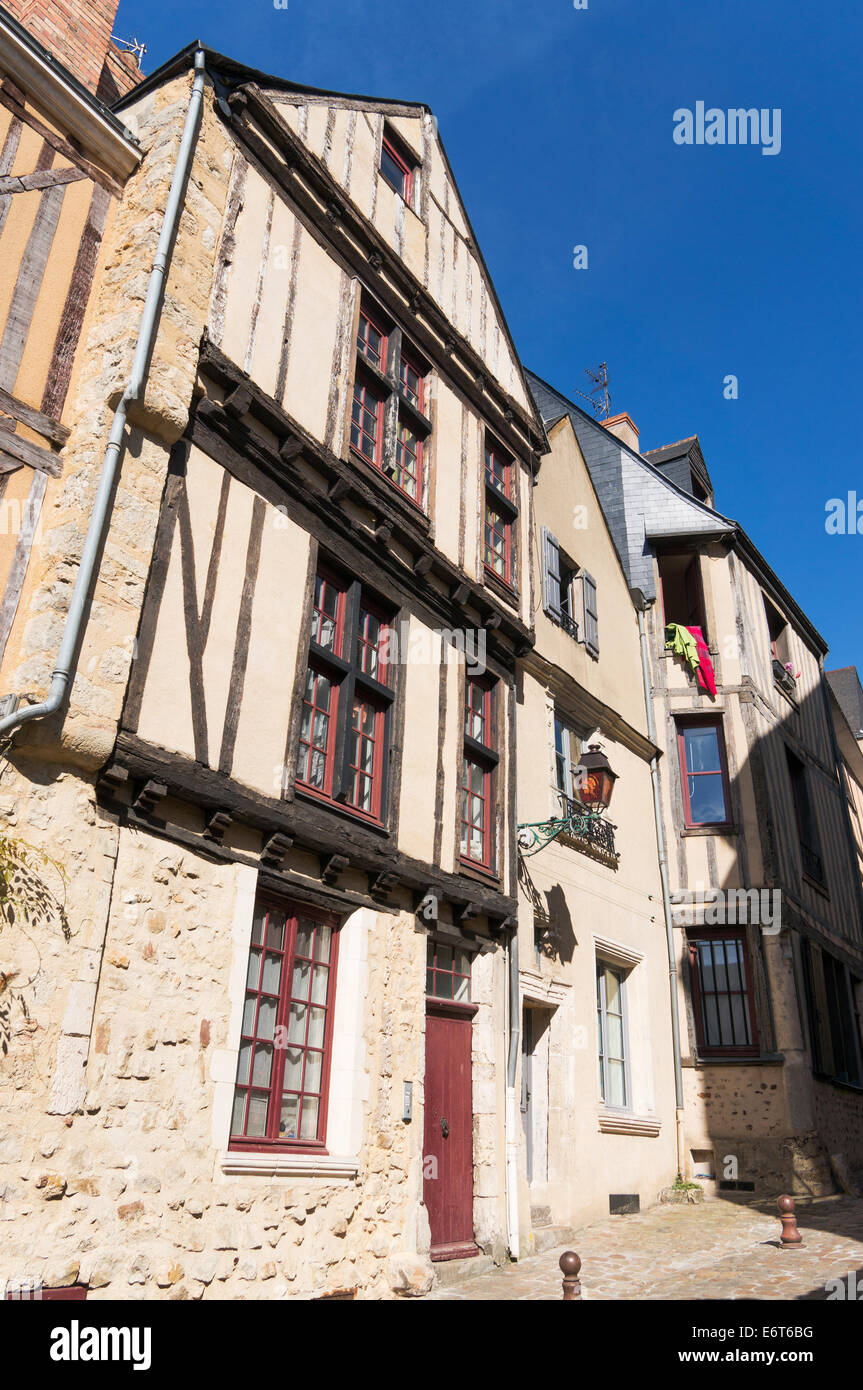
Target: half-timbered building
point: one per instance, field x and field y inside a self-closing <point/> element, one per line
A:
<point x="64" y="158"/>
<point x="270" y="1060"/>
<point x="762" y="864"/>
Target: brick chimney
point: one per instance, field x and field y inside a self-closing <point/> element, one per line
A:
<point x="624" y="428"/>
<point x="78" y="34"/>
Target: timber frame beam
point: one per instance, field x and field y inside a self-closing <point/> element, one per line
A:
<point x="435" y="581"/>
<point x="338" y="842"/>
<point x="314" y="192"/>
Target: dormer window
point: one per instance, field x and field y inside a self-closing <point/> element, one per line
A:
<point x="397" y="166"/>
<point x="680" y="586"/>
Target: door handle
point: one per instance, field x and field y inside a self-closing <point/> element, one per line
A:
<point x="444" y="1127"/>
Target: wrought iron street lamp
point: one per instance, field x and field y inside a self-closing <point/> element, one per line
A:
<point x="592" y="788"/>
<point x="593" y="780"/>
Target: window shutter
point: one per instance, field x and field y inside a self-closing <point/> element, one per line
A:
<point x="551" y="575"/>
<point x="590" y="613"/>
<point x="820" y="1020"/>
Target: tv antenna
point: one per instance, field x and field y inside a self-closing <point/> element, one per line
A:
<point x="598" y="398"/>
<point x="131" y="46"/>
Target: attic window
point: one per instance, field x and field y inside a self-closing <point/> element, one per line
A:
<point x="397" y="165"/>
<point x="778" y="629"/>
<point x="680" y="583"/>
<point x="697" y="487"/>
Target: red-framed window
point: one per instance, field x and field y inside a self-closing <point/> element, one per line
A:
<point x="479" y="764"/>
<point x="388" y="426"/>
<point x="412" y="379"/>
<point x="497" y="555"/>
<point x="372" y="339"/>
<point x="396" y="166"/>
<point x="347" y="703"/>
<point x="406" y="472"/>
<point x="280" y="1093"/>
<point x="722" y="992"/>
<point x="703" y="773"/>
<point x="498" y="469"/>
<point x="447" y="973"/>
<point x="500" y="513"/>
<point x="367" y="419"/>
<point x="320" y="700"/>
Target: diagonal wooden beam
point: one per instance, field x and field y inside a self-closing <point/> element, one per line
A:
<point x="12" y="100"/>
<point x="35" y="419"/>
<point x="23" y="451"/>
<point x="38" y="179"/>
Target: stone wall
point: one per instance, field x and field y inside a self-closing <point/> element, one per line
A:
<point x="838" y="1114"/>
<point x="109" y="1162"/>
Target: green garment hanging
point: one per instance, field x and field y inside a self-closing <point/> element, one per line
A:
<point x="682" y="642"/>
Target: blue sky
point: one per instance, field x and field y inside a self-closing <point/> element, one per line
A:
<point x="704" y="261"/>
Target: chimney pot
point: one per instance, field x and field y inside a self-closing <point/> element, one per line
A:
<point x="624" y="428"/>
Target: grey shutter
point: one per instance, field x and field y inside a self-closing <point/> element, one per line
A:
<point x="591" y="613"/>
<point x="551" y="575"/>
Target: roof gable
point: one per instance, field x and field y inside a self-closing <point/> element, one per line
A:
<point x="640" y="504"/>
<point x="432" y="234"/>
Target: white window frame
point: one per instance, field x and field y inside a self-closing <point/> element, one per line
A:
<point x="349" y="1081"/>
<point x="569" y="729"/>
<point x="603" y="965"/>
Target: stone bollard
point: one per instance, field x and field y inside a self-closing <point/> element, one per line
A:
<point x="570" y="1265"/>
<point x="791" y="1238"/>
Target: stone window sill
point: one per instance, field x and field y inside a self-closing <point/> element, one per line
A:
<point x="615" y="1122"/>
<point x="816" y="885"/>
<point x="767" y="1059"/>
<point x="288" y="1165"/>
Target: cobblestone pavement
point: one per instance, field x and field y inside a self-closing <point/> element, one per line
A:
<point x="713" y="1250"/>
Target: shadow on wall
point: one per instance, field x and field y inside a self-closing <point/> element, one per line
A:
<point x="773" y="979"/>
<point x="773" y="988"/>
<point x="552" y="918"/>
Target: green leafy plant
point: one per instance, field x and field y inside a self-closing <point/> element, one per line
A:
<point x="25" y="899"/>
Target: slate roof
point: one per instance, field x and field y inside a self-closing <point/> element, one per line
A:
<point x="642" y="505"/>
<point x="639" y="502"/>
<point x="845" y="684"/>
<point x="687" y="454"/>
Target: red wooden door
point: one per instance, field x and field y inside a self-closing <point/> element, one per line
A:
<point x="448" y="1141"/>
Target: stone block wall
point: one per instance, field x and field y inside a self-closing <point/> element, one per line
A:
<point x="109" y="1160"/>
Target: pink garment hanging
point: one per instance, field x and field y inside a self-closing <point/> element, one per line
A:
<point x="704" y="671"/>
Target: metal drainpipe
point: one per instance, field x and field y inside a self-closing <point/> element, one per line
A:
<point x="666" y="896"/>
<point x="511" y="1132"/>
<point x="101" y="513"/>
